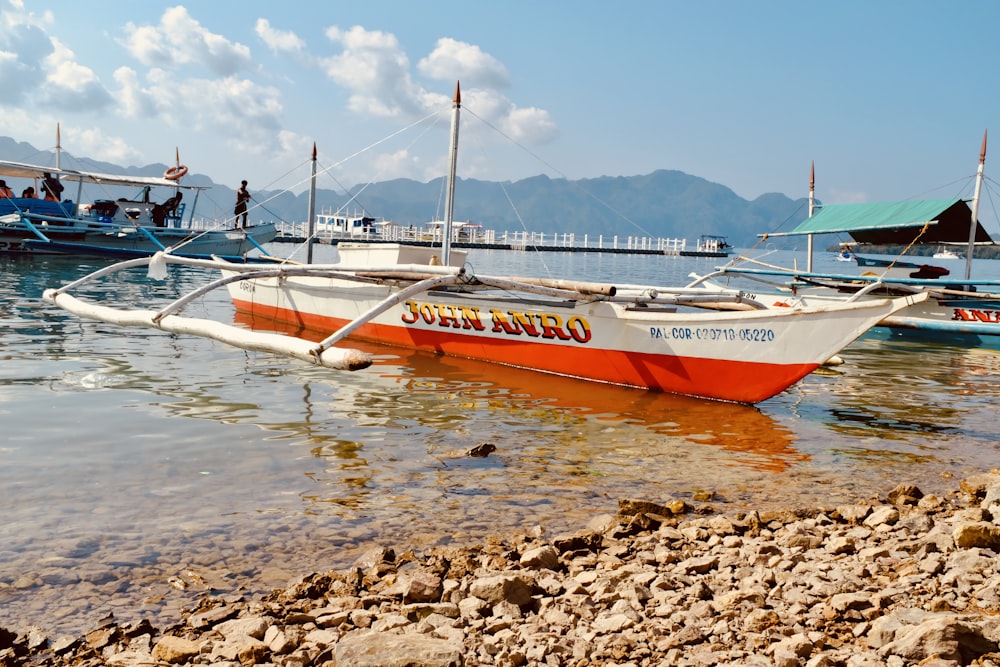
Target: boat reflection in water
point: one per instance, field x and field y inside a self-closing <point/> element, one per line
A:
<point x="545" y="402"/>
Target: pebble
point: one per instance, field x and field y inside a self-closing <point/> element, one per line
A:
<point x="905" y="580"/>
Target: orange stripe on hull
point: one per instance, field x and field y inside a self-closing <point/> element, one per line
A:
<point x="743" y="382"/>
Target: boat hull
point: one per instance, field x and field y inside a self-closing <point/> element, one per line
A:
<point x="966" y="313"/>
<point x="84" y="240"/>
<point x="742" y="356"/>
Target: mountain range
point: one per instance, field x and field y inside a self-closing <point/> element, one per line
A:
<point x="663" y="204"/>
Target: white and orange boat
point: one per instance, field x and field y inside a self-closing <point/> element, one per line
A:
<point x="691" y="341"/>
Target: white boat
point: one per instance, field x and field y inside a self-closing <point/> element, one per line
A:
<point x="708" y="246"/>
<point x="945" y="253"/>
<point x="960" y="310"/>
<point x="715" y="345"/>
<point x="351" y="225"/>
<point x="122" y="227"/>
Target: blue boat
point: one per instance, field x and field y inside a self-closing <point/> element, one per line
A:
<point x="125" y="227"/>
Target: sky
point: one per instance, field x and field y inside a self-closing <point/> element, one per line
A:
<point x="888" y="98"/>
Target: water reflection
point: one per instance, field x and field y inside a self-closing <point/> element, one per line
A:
<point x="897" y="388"/>
<point x="544" y="403"/>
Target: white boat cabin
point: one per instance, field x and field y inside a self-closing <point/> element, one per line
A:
<point x="355" y="224"/>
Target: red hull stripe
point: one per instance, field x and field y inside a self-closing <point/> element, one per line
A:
<point x="743" y="382"/>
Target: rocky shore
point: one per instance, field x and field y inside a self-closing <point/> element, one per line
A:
<point x="906" y="579"/>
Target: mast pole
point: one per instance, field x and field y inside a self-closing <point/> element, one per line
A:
<point x="812" y="209"/>
<point x="311" y="225"/>
<point x="449" y="205"/>
<point x="58" y="147"/>
<point x="975" y="210"/>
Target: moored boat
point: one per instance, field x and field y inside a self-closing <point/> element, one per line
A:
<point x="959" y="309"/>
<point x="685" y="341"/>
<point x="708" y="246"/>
<point x="122" y="227"/>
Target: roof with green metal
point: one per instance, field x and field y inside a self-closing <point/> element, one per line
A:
<point x="902" y="222"/>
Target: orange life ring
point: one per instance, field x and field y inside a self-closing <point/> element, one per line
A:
<point x="175" y="173"/>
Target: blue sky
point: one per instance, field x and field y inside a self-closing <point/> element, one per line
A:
<point x="889" y="98"/>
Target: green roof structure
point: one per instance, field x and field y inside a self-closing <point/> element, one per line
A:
<point x="946" y="221"/>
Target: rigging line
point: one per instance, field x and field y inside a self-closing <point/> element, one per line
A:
<point x="563" y="175"/>
<point x="517" y="214"/>
<point x="381" y="171"/>
<point x="513" y="207"/>
<point x="387" y="138"/>
<point x="343" y="160"/>
<point x="327" y="170"/>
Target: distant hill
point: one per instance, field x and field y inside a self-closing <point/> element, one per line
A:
<point x="664" y="204"/>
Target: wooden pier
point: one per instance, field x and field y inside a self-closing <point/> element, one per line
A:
<point x="489" y="239"/>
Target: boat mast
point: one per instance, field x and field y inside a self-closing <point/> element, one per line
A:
<point x="311" y="225"/>
<point x="58" y="146"/>
<point x="449" y="202"/>
<point x="975" y="210"/>
<point x="812" y="209"/>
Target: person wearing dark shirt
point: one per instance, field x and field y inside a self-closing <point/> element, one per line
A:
<point x="242" y="197"/>
<point x="169" y="207"/>
<point x="51" y="187"/>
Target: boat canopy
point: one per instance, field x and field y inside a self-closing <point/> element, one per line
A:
<point x="30" y="171"/>
<point x="894" y="223"/>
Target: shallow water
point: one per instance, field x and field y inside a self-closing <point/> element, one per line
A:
<point x="139" y="469"/>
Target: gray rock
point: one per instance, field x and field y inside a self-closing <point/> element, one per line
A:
<point x="175" y="650"/>
<point x="541" y="558"/>
<point x="943" y="637"/>
<point x="510" y="588"/>
<point x="382" y="650"/>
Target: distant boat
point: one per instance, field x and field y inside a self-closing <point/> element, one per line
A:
<point x="341" y="224"/>
<point x="126" y="227"/>
<point x="945" y="253"/>
<point x="708" y="246"/>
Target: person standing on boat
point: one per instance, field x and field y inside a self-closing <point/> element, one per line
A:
<point x="51" y="187"/>
<point x="6" y="191"/>
<point x="242" y="197"/>
<point x="29" y="193"/>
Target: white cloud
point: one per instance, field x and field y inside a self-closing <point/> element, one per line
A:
<point x="530" y="125"/>
<point x="70" y="85"/>
<point x="133" y="101"/>
<point x="375" y="70"/>
<point x="278" y="40"/>
<point x="148" y="46"/>
<point x="452" y="60"/>
<point x="245" y="114"/>
<point x="181" y="40"/>
<point x="96" y="144"/>
<point x="399" y="164"/>
<point x="37" y="70"/>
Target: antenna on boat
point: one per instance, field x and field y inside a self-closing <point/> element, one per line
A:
<point x="449" y="205"/>
<point x="975" y="209"/>
<point x="311" y="212"/>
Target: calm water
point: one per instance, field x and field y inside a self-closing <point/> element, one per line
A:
<point x="135" y="463"/>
